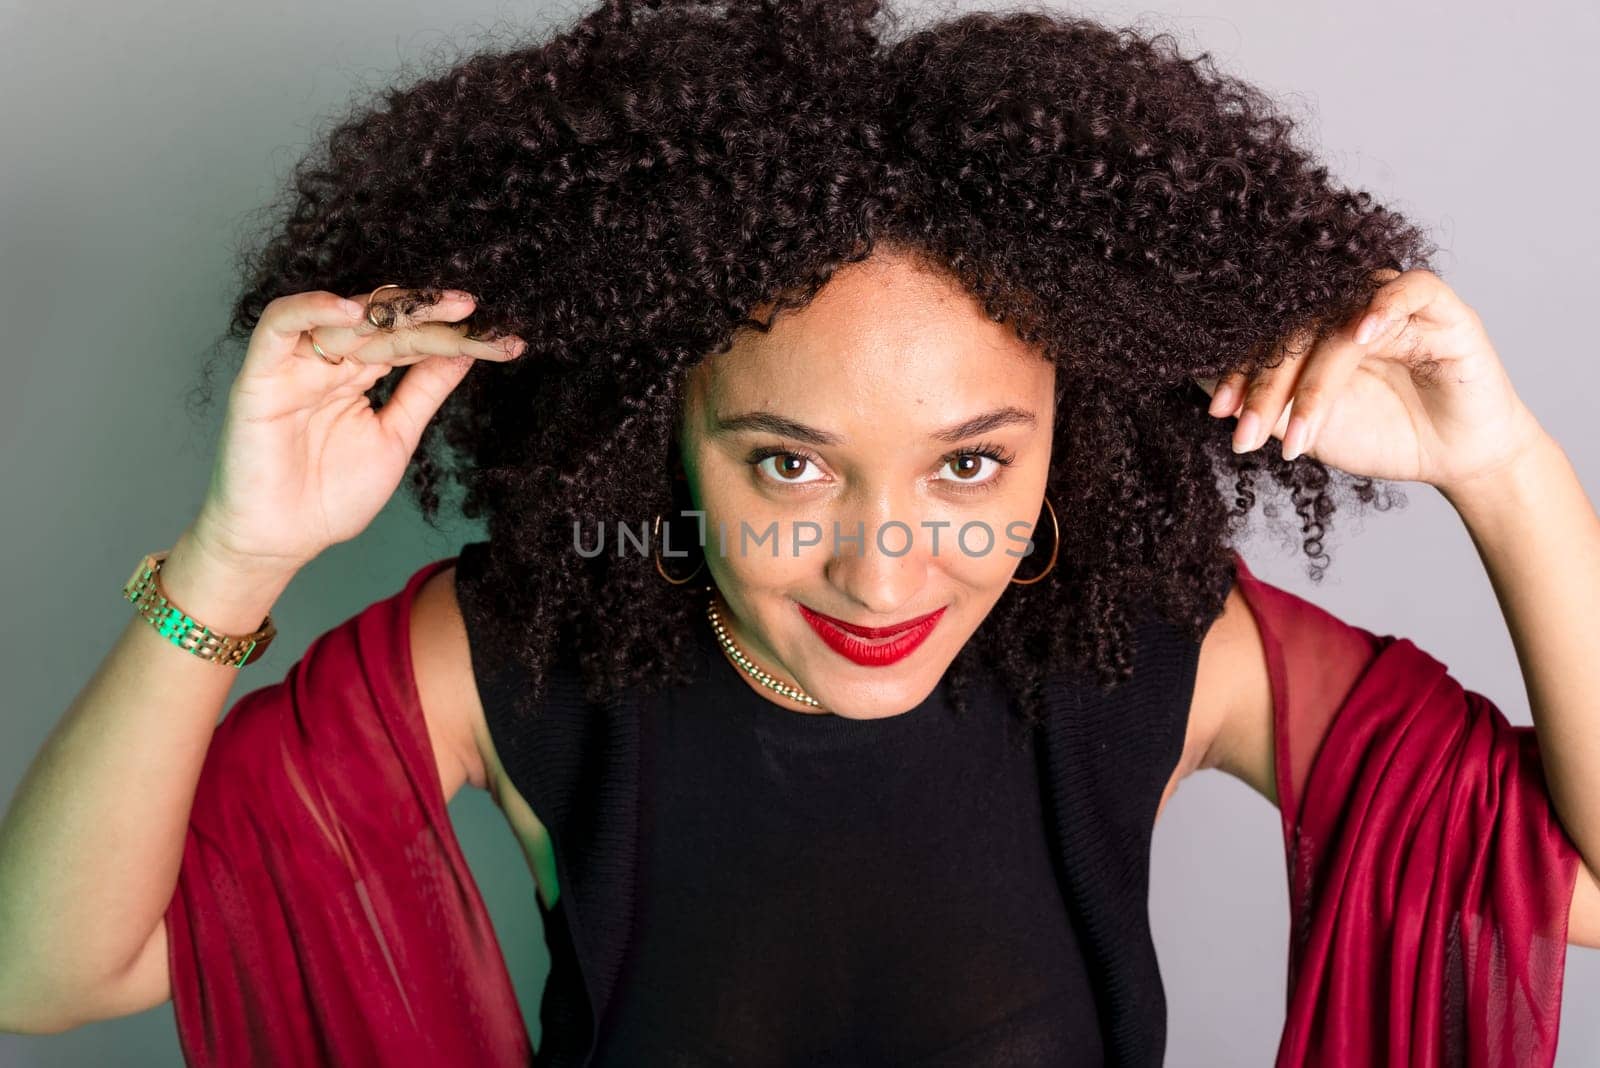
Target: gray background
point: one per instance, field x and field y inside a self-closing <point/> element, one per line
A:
<point x="137" y="137"/>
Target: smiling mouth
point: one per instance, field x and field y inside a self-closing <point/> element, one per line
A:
<point x="872" y="633"/>
<point x="874" y="647"/>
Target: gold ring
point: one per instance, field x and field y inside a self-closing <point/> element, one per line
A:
<point x="370" y="296"/>
<point x="318" y="350"/>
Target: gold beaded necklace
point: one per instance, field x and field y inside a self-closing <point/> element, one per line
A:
<point x="793" y="693"/>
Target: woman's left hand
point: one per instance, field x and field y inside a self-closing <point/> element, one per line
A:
<point x="1410" y="389"/>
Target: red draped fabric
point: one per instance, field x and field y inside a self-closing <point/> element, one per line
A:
<point x="1429" y="878"/>
<point x="324" y="913"/>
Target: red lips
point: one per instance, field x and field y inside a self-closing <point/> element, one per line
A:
<point x="846" y="639"/>
<point x="871" y="632"/>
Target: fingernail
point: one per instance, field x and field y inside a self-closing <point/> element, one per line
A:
<point x="1223" y="399"/>
<point x="1294" y="438"/>
<point x="1244" y="435"/>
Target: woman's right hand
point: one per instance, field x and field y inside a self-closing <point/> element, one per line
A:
<point x="305" y="460"/>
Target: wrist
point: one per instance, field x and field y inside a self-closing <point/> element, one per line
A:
<point x="1517" y="484"/>
<point x="225" y="593"/>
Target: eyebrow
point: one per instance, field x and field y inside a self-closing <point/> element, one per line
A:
<point x="773" y="423"/>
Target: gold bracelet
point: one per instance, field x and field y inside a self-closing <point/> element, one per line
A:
<point x="179" y="628"/>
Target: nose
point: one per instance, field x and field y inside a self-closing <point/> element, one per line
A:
<point x="882" y="584"/>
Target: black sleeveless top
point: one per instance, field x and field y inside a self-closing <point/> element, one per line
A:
<point x="822" y="890"/>
<point x="846" y="890"/>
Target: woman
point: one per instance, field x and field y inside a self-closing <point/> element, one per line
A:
<point x="836" y="298"/>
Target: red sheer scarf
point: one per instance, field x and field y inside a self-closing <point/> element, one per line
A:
<point x="1429" y="877"/>
<point x="324" y="913"/>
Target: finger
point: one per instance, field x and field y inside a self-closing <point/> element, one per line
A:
<point x="418" y="343"/>
<point x="280" y="331"/>
<point x="1413" y="293"/>
<point x="1267" y="398"/>
<point x="1322" y="381"/>
<point x="418" y="397"/>
<point x="1229" y="394"/>
<point x="395" y="310"/>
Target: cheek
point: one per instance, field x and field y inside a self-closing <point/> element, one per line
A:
<point x="979" y="545"/>
<point x="749" y="553"/>
<point x="979" y="553"/>
<point x="754" y="566"/>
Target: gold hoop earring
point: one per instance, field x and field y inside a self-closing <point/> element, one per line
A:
<point x="1054" y="548"/>
<point x="655" y="535"/>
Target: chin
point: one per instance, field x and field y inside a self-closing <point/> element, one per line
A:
<point x="881" y="699"/>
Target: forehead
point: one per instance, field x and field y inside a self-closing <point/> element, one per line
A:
<point x="882" y="332"/>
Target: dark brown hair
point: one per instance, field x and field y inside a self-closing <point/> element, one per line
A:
<point x="622" y="193"/>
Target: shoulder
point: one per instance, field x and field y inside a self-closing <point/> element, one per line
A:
<point x="1230" y="712"/>
<point x="1269" y="644"/>
<point x="442" y="663"/>
<point x="452" y="706"/>
<point x="1232" y="705"/>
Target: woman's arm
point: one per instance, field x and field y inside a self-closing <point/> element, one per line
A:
<point x="1233" y="694"/>
<point x="92" y="839"/>
<point x="1432" y="885"/>
<point x="448" y="700"/>
<point x="322" y="886"/>
<point x="1539" y="539"/>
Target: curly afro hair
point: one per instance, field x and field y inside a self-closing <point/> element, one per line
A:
<point x="625" y="192"/>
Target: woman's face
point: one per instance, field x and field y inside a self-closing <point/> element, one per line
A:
<point x="868" y="413"/>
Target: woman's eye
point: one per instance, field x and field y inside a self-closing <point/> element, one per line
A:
<point x="968" y="468"/>
<point x="786" y="467"/>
